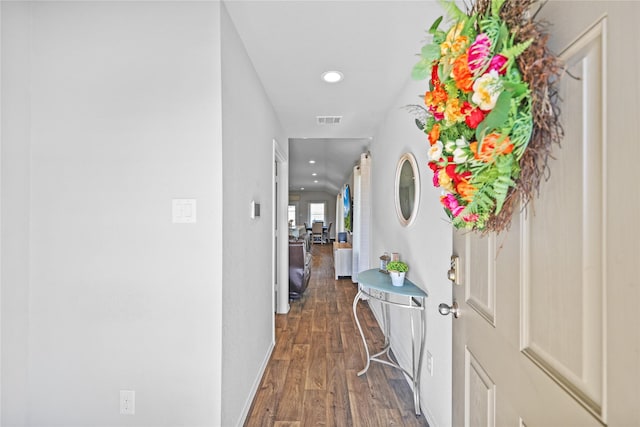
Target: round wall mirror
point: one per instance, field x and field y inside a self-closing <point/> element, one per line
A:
<point x="407" y="189"/>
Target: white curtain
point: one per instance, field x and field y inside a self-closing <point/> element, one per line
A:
<point x="361" y="216"/>
<point x="339" y="213"/>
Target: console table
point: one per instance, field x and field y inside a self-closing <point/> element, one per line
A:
<point x="415" y="300"/>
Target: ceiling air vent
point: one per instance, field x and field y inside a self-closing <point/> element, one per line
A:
<point x="329" y="120"/>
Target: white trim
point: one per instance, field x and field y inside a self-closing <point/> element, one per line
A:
<point x="364" y="214"/>
<point x="281" y="206"/>
<point x="254" y="387"/>
<point x="356" y="225"/>
<point x="0" y="212"/>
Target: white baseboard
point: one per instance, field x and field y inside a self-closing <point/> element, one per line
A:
<point x="254" y="387"/>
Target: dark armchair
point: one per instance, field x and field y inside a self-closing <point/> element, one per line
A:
<point x="299" y="268"/>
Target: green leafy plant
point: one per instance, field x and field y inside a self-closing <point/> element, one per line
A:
<point x="398" y="266"/>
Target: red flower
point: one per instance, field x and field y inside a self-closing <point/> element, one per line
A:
<point x="451" y="171"/>
<point x="456" y="177"/>
<point x="472" y="116"/>
<point x="434" y="74"/>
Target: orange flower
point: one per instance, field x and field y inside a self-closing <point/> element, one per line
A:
<point x="434" y="134"/>
<point x="437" y="96"/>
<point x="466" y="190"/>
<point x="461" y="74"/>
<point x="492" y="144"/>
<point x="435" y="101"/>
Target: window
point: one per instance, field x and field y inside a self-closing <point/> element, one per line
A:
<point x="291" y="215"/>
<point x="316" y="212"/>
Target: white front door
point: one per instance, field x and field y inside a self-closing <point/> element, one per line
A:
<point x="542" y="337"/>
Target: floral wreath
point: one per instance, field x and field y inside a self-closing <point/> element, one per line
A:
<point x="490" y="114"/>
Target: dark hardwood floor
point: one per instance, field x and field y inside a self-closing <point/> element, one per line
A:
<point x="311" y="377"/>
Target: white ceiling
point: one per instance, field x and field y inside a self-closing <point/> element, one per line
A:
<point x="291" y="43"/>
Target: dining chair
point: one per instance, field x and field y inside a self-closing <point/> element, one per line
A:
<point x="326" y="234"/>
<point x="316" y="232"/>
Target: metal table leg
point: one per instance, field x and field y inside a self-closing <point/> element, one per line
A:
<point x="364" y="342"/>
<point x="416" y="365"/>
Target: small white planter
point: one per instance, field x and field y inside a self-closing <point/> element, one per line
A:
<point x="397" y="277"/>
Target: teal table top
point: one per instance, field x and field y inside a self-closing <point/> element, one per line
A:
<point x="382" y="281"/>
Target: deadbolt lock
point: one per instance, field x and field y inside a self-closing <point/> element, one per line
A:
<point x="454" y="271"/>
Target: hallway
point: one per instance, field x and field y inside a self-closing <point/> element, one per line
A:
<point x="311" y="376"/>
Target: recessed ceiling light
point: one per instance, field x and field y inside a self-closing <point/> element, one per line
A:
<point x="332" y="76"/>
<point x="301" y="188"/>
<point x="314" y="174"/>
<point x="312" y="162"/>
<point x="315" y="181"/>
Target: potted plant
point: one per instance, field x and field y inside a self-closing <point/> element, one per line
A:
<point x="397" y="271"/>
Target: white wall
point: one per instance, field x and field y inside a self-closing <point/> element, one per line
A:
<point x="249" y="127"/>
<point x="15" y="188"/>
<point x="115" y="110"/>
<point x="425" y="246"/>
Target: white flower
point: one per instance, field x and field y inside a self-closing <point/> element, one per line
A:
<point x="461" y="142"/>
<point x="435" y="152"/>
<point x="486" y="90"/>
<point x="449" y="146"/>
<point x="459" y="155"/>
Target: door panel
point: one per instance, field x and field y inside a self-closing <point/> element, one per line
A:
<point x="563" y="250"/>
<point x="529" y="345"/>
<point x="481" y="284"/>
<point x="480" y="394"/>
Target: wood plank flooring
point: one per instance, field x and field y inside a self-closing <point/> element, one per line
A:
<point x="311" y="378"/>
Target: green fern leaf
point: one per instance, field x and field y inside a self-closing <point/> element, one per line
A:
<point x="515" y="50"/>
<point x="491" y="27"/>
<point x="521" y="134"/>
<point x="501" y="189"/>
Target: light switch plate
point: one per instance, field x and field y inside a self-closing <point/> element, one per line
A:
<point x="183" y="211"/>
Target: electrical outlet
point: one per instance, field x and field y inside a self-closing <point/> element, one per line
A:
<point x="127" y="402"/>
<point x="429" y="363"/>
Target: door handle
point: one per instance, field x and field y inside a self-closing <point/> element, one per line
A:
<point x="445" y="309"/>
<point x="453" y="272"/>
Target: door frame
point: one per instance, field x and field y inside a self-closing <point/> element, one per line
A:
<point x="280" y="247"/>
